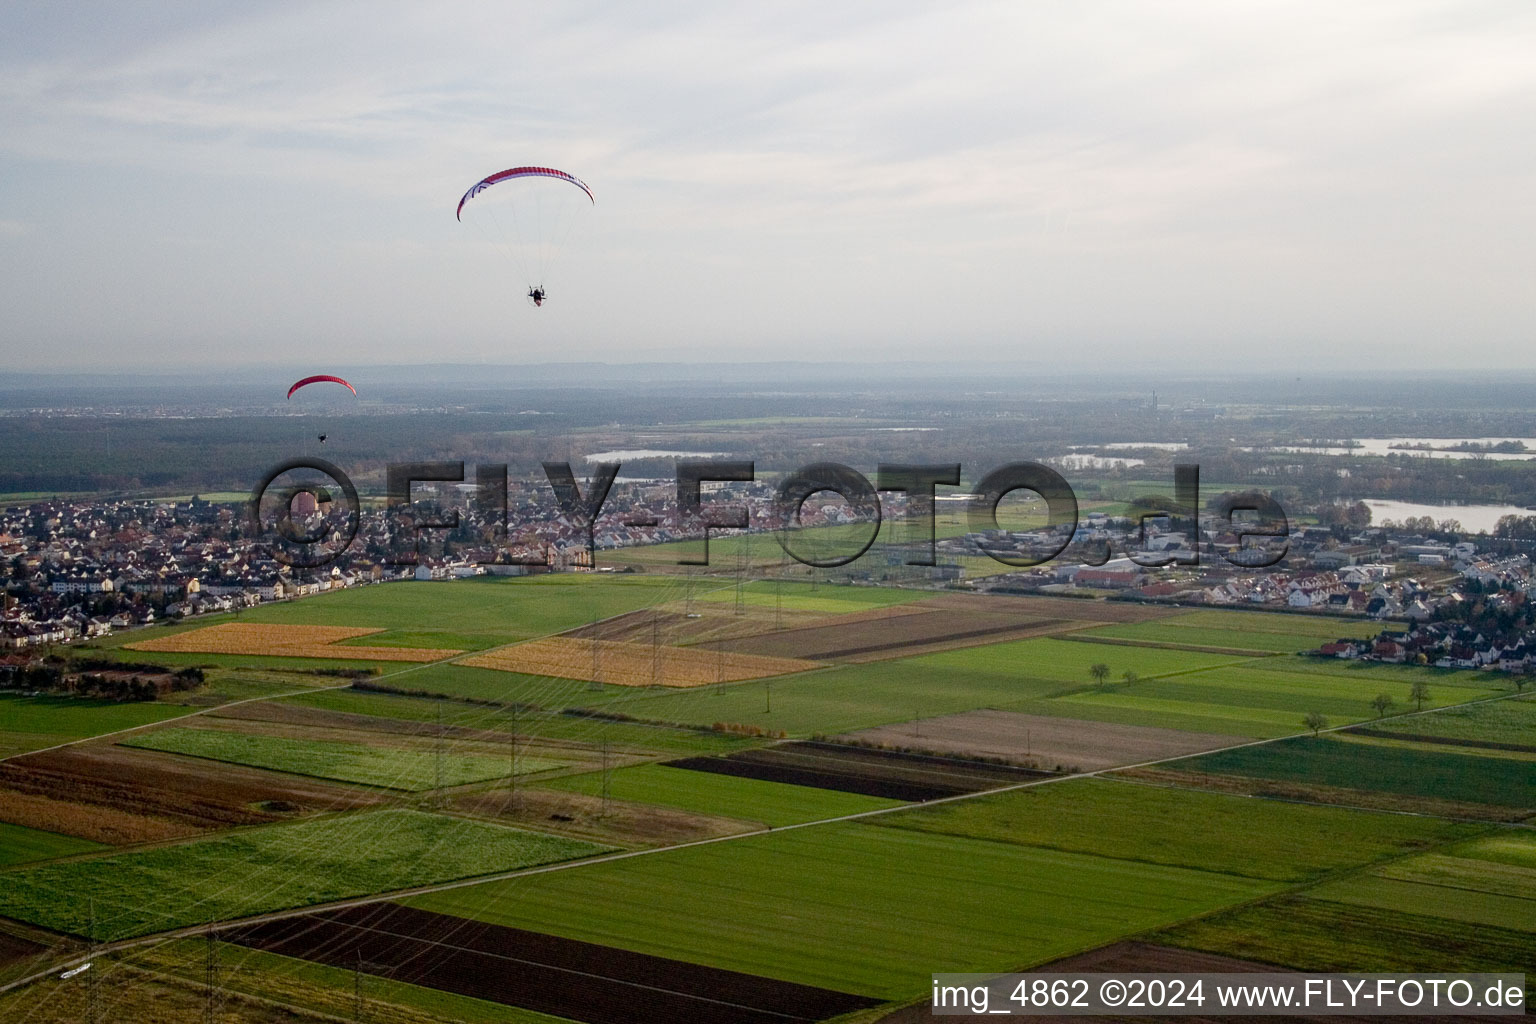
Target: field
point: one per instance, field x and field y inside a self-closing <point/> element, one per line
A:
<point x="852" y="907"/>
<point x="1175" y="632"/>
<point x="1042" y="741"/>
<point x="894" y="775"/>
<point x="411" y="768"/>
<point x="769" y="803"/>
<point x="1213" y="832"/>
<point x="1330" y="761"/>
<point x="860" y="696"/>
<point x="315" y="796"/>
<point x="317" y="988"/>
<point x="1489" y="882"/>
<point x="114" y="795"/>
<point x="586" y="981"/>
<point x="801" y="597"/>
<point x="19" y="844"/>
<point x="1503" y="723"/>
<point x="551" y="726"/>
<point x="1318" y="935"/>
<point x="624" y="664"/>
<point x="290" y="865"/>
<point x="1253" y="699"/>
<point x="497" y="610"/>
<point x="895" y="632"/>
<point x="31" y="723"/>
<point x="285" y="641"/>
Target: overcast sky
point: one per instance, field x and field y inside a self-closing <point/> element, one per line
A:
<point x="1190" y="185"/>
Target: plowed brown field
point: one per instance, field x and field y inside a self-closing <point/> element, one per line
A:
<point x="1045" y="741"/>
<point x="116" y="795"/>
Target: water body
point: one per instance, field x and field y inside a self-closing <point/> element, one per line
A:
<point x="633" y="454"/>
<point x="1476" y="518"/>
<point x="1393" y="446"/>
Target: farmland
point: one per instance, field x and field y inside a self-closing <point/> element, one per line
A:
<point x="412" y="768"/>
<point x="1331" y="761"/>
<point x="316" y="795"/>
<point x="802" y="597"/>
<point x="1043" y="741"/>
<point x="1279" y="841"/>
<point x="894" y="775"/>
<point x="1490" y="882"/>
<point x="1505" y="722"/>
<point x="269" y="868"/>
<point x="1319" y="935"/>
<point x="18" y="845"/>
<point x="852" y="907"/>
<point x="115" y="795"/>
<point x="30" y="723"/>
<point x="323" y="989"/>
<point x="285" y="641"/>
<point x="553" y="726"/>
<point x="770" y="803"/>
<point x="624" y="664"/>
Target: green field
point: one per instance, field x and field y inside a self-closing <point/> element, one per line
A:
<point x="462" y="614"/>
<point x="1489" y="882"/>
<point x="414" y="768"/>
<point x="1501" y="721"/>
<point x="31" y="723"/>
<point x="19" y="845"/>
<point x="1316" y="935"/>
<point x="857" y="696"/>
<point x="1169" y="631"/>
<point x="1263" y="698"/>
<point x="1212" y="832"/>
<point x="1408" y="771"/>
<point x="269" y="868"/>
<point x="853" y="907"/>
<point x="771" y="803"/>
<point x="1319" y="627"/>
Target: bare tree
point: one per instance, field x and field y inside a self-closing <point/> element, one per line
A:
<point x="1382" y="703"/>
<point x="1130" y="677"/>
<point x="1419" y="694"/>
<point x="1099" y="671"/>
<point x="1315" y="721"/>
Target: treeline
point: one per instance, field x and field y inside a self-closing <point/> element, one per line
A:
<point x="101" y="679"/>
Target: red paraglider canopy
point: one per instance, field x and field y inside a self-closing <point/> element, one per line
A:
<point x="317" y="379"/>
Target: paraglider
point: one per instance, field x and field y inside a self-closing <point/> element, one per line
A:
<point x="320" y="378"/>
<point x="530" y="219"/>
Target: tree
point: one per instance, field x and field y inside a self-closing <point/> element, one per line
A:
<point x="1315" y="721"/>
<point x="1099" y="671"/>
<point x="1419" y="694"/>
<point x="1382" y="703"/>
<point x="1130" y="677"/>
<point x="1522" y="677"/>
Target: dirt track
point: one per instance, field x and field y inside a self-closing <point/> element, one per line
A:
<point x="1044" y="741"/>
<point x="577" y="980"/>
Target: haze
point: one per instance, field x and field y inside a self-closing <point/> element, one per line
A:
<point x="1186" y="185"/>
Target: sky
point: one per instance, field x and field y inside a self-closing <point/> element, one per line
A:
<point x="1221" y="185"/>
